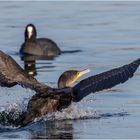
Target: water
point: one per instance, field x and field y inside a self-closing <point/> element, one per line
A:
<point x="108" y="33"/>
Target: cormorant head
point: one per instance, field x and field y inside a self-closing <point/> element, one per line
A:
<point x="69" y="77"/>
<point x="30" y="32"/>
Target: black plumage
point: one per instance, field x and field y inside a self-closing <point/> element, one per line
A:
<point x="105" y="80"/>
<point x="49" y="99"/>
<point x="12" y="74"/>
<point x="38" y="46"/>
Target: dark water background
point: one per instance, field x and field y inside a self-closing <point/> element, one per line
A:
<point x="108" y="33"/>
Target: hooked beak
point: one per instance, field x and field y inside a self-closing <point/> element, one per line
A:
<point x="81" y="73"/>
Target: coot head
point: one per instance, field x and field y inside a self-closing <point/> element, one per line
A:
<point x="30" y="32"/>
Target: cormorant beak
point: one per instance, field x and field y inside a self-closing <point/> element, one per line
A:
<point x="81" y="73"/>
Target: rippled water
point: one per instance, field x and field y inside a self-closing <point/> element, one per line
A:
<point x="108" y="35"/>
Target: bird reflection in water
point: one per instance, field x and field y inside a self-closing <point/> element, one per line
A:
<point x="52" y="130"/>
<point x="30" y="63"/>
<point x="30" y="67"/>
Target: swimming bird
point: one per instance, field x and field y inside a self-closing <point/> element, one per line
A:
<point x="38" y="46"/>
<point x="47" y="99"/>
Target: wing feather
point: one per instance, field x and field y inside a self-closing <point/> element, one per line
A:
<point x="12" y="74"/>
<point x="104" y="80"/>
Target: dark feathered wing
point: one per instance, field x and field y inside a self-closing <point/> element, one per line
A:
<point x="104" y="80"/>
<point x="11" y="74"/>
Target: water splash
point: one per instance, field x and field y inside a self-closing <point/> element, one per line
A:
<point x="11" y="115"/>
<point x="71" y="113"/>
<point x="75" y="112"/>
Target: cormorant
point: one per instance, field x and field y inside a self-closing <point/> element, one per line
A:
<point x="38" y="46"/>
<point x="49" y="99"/>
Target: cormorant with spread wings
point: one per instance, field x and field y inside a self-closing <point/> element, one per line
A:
<point x="49" y="99"/>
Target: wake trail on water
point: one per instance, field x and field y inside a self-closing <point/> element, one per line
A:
<point x="12" y="114"/>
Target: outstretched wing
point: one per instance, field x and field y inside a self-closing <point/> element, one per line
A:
<point x="11" y="74"/>
<point x="104" y="80"/>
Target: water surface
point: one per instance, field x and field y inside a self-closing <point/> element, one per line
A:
<point x="108" y="33"/>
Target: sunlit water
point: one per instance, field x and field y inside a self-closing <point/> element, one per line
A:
<point x="108" y="33"/>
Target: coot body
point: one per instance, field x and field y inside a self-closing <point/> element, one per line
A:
<point x="38" y="46"/>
